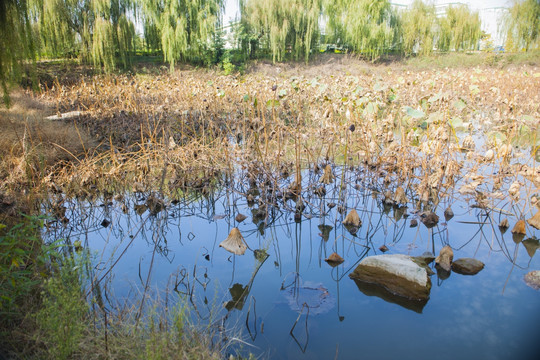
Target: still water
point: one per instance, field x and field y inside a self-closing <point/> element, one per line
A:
<point x="283" y="301"/>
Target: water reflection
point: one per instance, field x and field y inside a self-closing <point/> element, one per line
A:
<point x="281" y="292"/>
<point x="380" y="292"/>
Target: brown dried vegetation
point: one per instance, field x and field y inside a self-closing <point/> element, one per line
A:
<point x="398" y="129"/>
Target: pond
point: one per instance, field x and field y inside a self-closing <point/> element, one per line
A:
<point x="281" y="300"/>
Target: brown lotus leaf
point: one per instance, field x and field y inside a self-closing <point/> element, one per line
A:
<point x="535" y="220"/>
<point x="327" y="177"/>
<point x="352" y="219"/>
<point x="444" y="260"/>
<point x="234" y="243"/>
<point x="400" y="197"/>
<point x="334" y="258"/>
<point x="240" y="217"/>
<point x="519" y="228"/>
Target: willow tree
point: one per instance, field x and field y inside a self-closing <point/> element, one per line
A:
<point x="100" y="31"/>
<point x="367" y="26"/>
<point x="282" y="26"/>
<point x="459" y="29"/>
<point x="185" y="27"/>
<point x="63" y="27"/>
<point x="113" y="38"/>
<point x="16" y="42"/>
<point x="417" y="28"/>
<point x="523" y="24"/>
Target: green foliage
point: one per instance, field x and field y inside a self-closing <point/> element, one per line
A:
<point x="417" y="28"/>
<point x="523" y="25"/>
<point x="186" y="27"/>
<point x="23" y="260"/>
<point x="459" y="29"/>
<point x="227" y="66"/>
<point x="96" y="30"/>
<point x="62" y="319"/>
<point x="368" y="27"/>
<point x="16" y="42"/>
<point x="281" y="26"/>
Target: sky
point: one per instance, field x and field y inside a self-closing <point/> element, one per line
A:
<point x="231" y="6"/>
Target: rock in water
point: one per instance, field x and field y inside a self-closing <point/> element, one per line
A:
<point x="399" y="274"/>
<point x="467" y="266"/>
<point x="425" y="259"/>
<point x="444" y="260"/>
<point x="532" y="279"/>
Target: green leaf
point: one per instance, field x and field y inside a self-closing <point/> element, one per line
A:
<point x="380" y="87"/>
<point x="456" y="123"/>
<point x="460" y="104"/>
<point x="435" y="97"/>
<point x="272" y="103"/>
<point x="529" y="119"/>
<point x="497" y="137"/>
<point x="474" y="89"/>
<point x="524" y="130"/>
<point x="417" y="114"/>
<point x="371" y="108"/>
<point x="246" y="98"/>
<point x="434" y="117"/>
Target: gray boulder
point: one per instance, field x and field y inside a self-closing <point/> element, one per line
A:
<point x="399" y="274"/>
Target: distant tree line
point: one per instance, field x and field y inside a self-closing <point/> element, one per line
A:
<point x="103" y="32"/>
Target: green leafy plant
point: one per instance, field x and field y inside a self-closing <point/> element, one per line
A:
<point x="62" y="319"/>
<point x="22" y="264"/>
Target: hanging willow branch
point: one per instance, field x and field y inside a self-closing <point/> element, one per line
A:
<point x="185" y="27"/>
<point x="368" y="27"/>
<point x="459" y="29"/>
<point x="417" y="25"/>
<point x="282" y="26"/>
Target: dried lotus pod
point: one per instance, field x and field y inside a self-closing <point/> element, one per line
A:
<point x="234" y="243"/>
<point x="400" y="197"/>
<point x="514" y="190"/>
<point x="468" y="143"/>
<point x="504" y="224"/>
<point x="327" y="177"/>
<point x="352" y="219"/>
<point x="489" y="155"/>
<point x="505" y="150"/>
